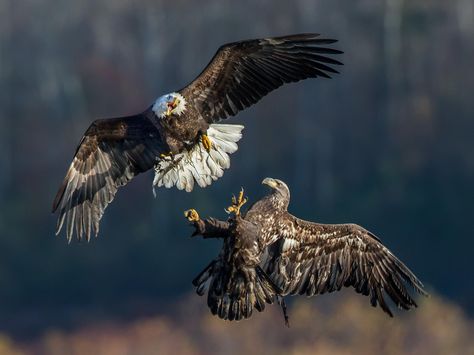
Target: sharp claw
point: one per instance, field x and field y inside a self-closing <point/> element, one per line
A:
<point x="241" y="194"/>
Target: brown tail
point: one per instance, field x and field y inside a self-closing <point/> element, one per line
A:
<point x="233" y="294"/>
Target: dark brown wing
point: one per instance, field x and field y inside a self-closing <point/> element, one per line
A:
<point x="109" y="155"/>
<point x="241" y="73"/>
<point x="315" y="258"/>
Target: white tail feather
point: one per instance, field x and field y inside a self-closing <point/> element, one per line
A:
<point x="199" y="164"/>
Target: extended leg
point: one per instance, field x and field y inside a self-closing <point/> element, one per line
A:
<point x="237" y="203"/>
<point x="209" y="227"/>
<point x="193" y="217"/>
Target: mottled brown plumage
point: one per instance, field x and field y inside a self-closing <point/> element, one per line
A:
<point x="234" y="281"/>
<point x="301" y="257"/>
<point x="167" y="135"/>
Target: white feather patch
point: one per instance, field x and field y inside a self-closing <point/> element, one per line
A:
<point x="198" y="164"/>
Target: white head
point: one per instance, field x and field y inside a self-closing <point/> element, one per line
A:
<point x="169" y="104"/>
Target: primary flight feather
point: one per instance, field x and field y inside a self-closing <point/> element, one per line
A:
<point x="178" y="135"/>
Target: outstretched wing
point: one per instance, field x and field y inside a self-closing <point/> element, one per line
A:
<point x="109" y="155"/>
<point x="241" y="73"/>
<point x="315" y="258"/>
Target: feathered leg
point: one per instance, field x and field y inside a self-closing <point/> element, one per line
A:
<point x="209" y="227"/>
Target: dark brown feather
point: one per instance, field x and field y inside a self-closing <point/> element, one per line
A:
<point x="109" y="155"/>
<point x="234" y="282"/>
<point x="241" y="73"/>
<point x="318" y="258"/>
<point x="269" y="246"/>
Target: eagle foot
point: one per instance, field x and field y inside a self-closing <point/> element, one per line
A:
<point x="167" y="156"/>
<point x="206" y="142"/>
<point x="191" y="215"/>
<point x="237" y="203"/>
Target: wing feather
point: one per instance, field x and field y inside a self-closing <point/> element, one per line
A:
<point x="323" y="258"/>
<point x="109" y="155"/>
<point x="241" y="73"/>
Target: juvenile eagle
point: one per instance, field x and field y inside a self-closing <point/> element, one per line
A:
<point x="269" y="253"/>
<point x="177" y="135"/>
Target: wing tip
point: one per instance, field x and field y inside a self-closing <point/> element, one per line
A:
<point x="296" y="36"/>
<point x="58" y="197"/>
<point x="338" y="51"/>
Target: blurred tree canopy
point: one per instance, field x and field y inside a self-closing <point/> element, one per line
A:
<point x="387" y="144"/>
<point x="440" y="328"/>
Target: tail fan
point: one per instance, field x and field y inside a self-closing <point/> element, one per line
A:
<point x="198" y="164"/>
<point x="233" y="293"/>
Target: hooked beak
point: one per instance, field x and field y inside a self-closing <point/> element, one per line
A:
<point x="269" y="182"/>
<point x="171" y="106"/>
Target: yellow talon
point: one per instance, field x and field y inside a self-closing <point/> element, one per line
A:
<point x="237" y="203"/>
<point x="206" y="142"/>
<point x="191" y="215"/>
<point x="168" y="155"/>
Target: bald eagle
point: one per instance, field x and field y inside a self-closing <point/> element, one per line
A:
<point x="178" y="135"/>
<point x="269" y="253"/>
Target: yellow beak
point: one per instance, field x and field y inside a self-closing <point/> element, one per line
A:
<point x="269" y="182"/>
<point x="172" y="106"/>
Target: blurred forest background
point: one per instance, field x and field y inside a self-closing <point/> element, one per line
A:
<point x="387" y="144"/>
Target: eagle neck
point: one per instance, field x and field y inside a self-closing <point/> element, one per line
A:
<point x="278" y="201"/>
